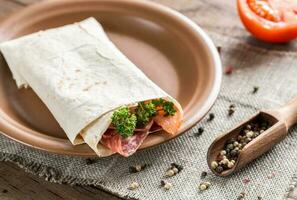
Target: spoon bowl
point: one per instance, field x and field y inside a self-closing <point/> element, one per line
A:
<point x="276" y="132"/>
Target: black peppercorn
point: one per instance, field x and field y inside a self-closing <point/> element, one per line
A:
<point x="137" y="168"/>
<point x="200" y="131"/>
<point x="255" y="89"/>
<point x="203" y="175"/>
<point x="179" y="167"/>
<point x="219" y="169"/>
<point x="90" y="161"/>
<point x="211" y="117"/>
<point x="163" y="183"/>
<point x="234" y="153"/>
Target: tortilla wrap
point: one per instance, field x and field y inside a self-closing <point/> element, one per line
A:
<point x="81" y="77"/>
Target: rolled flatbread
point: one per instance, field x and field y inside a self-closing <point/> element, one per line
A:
<point x="81" y="77"/>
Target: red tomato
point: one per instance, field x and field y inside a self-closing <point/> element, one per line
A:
<point x="269" y="20"/>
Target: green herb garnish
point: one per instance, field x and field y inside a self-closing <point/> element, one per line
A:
<point x="144" y="112"/>
<point x="167" y="106"/>
<point x="124" y="121"/>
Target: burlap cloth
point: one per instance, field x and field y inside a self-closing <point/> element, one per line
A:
<point x="271" y="176"/>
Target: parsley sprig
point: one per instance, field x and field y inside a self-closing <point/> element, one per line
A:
<point x="144" y="112"/>
<point x="124" y="121"/>
<point x="167" y="106"/>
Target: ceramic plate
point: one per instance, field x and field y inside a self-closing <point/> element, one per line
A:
<point x="170" y="49"/>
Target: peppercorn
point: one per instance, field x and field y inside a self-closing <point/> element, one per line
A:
<point x="231" y="141"/>
<point x="231" y="111"/>
<point x="211" y="117"/>
<point x="247" y="140"/>
<point x="200" y="131"/>
<point x="250" y="134"/>
<point x="204" y="186"/>
<point x="230" y="165"/>
<point x="241" y="196"/>
<point x="137" y="168"/>
<point x="133" y="186"/>
<point x="170" y="173"/>
<point x="255" y="89"/>
<point x="166" y="185"/>
<point x="90" y="161"/>
<point x="175" y="170"/>
<point x="234" y="152"/>
<point x="214" y="164"/>
<point x="223" y="152"/>
<point x="203" y="175"/>
<point x="230" y="146"/>
<point x="219" y="169"/>
<point x="179" y="167"/>
<point x="224" y="161"/>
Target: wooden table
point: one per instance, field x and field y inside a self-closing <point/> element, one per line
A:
<point x="18" y="185"/>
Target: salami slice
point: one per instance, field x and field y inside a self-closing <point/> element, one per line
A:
<point x="125" y="146"/>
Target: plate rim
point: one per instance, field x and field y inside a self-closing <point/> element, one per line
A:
<point x="207" y="104"/>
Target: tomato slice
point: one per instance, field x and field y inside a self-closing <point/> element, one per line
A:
<point x="269" y="20"/>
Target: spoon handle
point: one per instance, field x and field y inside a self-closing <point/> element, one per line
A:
<point x="288" y="112"/>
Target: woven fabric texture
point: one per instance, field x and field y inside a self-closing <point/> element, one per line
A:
<point x="270" y="176"/>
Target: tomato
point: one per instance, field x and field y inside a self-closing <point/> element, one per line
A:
<point x="269" y="20"/>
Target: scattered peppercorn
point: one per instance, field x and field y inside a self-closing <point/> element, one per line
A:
<point x="260" y="198"/>
<point x="241" y="196"/>
<point x="173" y="170"/>
<point x="170" y="173"/>
<point x="255" y="89"/>
<point x="4" y="191"/>
<point x="204" y="186"/>
<point x="227" y="157"/>
<point x="137" y="168"/>
<point x="133" y="186"/>
<point x="203" y="175"/>
<point x="210" y="117"/>
<point x="90" y="161"/>
<point x="166" y="185"/>
<point x="200" y="131"/>
<point x="228" y="70"/>
<point x="179" y="167"/>
<point x="231" y="109"/>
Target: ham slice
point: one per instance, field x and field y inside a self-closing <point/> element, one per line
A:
<point x="125" y="146"/>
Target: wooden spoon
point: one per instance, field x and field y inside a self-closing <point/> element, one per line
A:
<point x="280" y="120"/>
